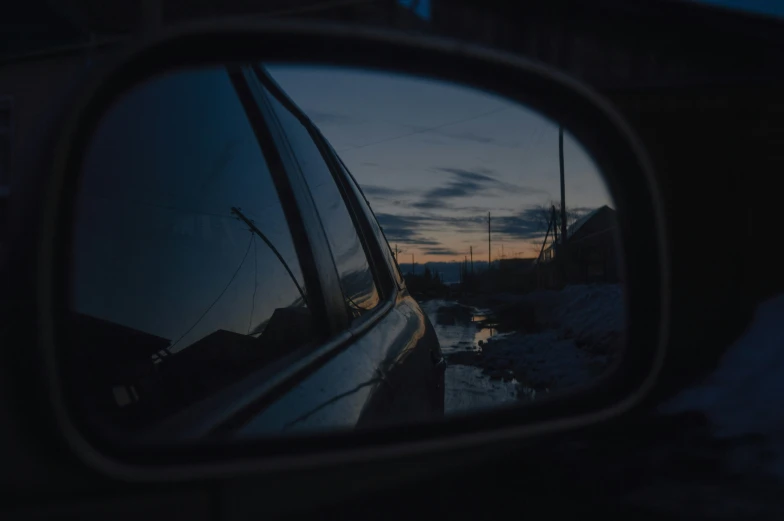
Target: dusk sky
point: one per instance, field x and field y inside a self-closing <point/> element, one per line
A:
<point x="433" y="158"/>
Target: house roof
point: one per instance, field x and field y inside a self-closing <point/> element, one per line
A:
<point x="579" y="223"/>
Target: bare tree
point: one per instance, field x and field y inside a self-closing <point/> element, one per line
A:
<point x="543" y="214"/>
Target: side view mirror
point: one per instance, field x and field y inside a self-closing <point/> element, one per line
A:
<point x="266" y="243"/>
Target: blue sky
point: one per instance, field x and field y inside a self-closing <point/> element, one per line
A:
<point x="434" y="158"/>
<point x="155" y="242"/>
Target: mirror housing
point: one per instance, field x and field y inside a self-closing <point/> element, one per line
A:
<point x="593" y="122"/>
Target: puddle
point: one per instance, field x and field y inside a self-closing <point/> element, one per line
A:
<point x="459" y="330"/>
<point x="485" y="327"/>
<point x="483" y="357"/>
<point x="482" y="335"/>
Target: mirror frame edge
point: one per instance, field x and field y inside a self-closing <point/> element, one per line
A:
<point x="100" y="84"/>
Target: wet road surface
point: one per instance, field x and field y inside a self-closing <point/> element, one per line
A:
<point x="467" y="387"/>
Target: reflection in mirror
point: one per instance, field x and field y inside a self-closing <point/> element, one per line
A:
<point x="471" y="242"/>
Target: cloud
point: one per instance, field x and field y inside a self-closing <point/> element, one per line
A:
<point x="420" y="241"/>
<point x="425" y="229"/>
<point x="431" y="204"/>
<point x="469" y="183"/>
<point x="418" y="229"/>
<point x="398" y="227"/>
<point x="527" y="224"/>
<point x="410" y="229"/>
<point x="441" y="251"/>
<point x="458" y="186"/>
<point x="477" y="175"/>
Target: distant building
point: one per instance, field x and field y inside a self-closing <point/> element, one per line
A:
<point x="591" y="252"/>
<point x="134" y="378"/>
<point x="106" y="359"/>
<point x="216" y="361"/>
<point x="516" y="265"/>
<point x="593" y="248"/>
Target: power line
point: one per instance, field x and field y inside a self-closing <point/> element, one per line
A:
<point x="254" y="229"/>
<point x="217" y="299"/>
<point x="422" y="131"/>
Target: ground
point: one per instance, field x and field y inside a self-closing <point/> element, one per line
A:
<point x="744" y="394"/>
<point x="507" y="348"/>
<point x="715" y="451"/>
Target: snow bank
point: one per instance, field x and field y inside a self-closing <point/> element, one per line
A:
<point x="743" y="450"/>
<point x="566" y="340"/>
<point x="745" y="394"/>
<point x="584" y="310"/>
<point x="548" y="341"/>
<point x="543" y="361"/>
<point x="468" y="389"/>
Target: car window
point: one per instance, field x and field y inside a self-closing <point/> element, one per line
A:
<point x="186" y="277"/>
<point x="364" y="204"/>
<point x="356" y="277"/>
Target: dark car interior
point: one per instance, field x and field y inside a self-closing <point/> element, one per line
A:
<point x="700" y="86"/>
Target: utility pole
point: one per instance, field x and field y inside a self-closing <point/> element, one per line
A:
<point x="412" y="264"/>
<point x="562" y="254"/>
<point x="489" y="244"/>
<point x="563" y="185"/>
<point x="472" y="259"/>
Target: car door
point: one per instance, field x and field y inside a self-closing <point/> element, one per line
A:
<point x="416" y="375"/>
<point x="381" y="368"/>
<point x="194" y="288"/>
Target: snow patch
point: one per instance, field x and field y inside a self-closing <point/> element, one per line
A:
<point x="565" y="339"/>
<point x="543" y="361"/>
<point x="745" y="394"/>
<point x="586" y="310"/>
<point x="467" y="389"/>
<point x="568" y="338"/>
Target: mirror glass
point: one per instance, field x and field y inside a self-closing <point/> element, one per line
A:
<point x="276" y="249"/>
